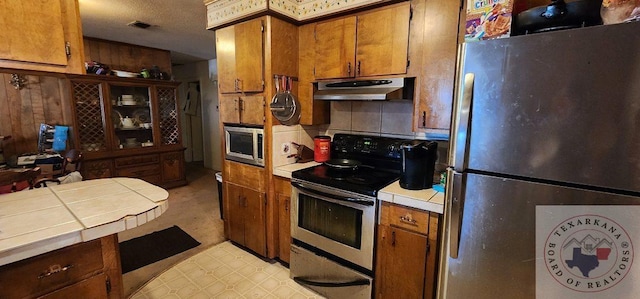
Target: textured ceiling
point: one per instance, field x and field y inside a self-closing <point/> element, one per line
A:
<point x="176" y="25"/>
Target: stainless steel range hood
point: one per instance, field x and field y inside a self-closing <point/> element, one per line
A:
<point x="366" y="90"/>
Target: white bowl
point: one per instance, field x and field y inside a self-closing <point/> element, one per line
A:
<point x="125" y="74"/>
<point x="129" y="103"/>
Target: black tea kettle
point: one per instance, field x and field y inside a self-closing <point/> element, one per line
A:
<point x="418" y="163"/>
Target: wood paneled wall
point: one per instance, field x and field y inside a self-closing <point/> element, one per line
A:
<point x="41" y="100"/>
<point x="126" y="57"/>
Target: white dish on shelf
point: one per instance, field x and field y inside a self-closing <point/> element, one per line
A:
<point x="125" y="74"/>
<point x="129" y="103"/>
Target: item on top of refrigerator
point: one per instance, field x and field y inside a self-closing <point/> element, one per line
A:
<point x="488" y="19"/>
<point x="618" y="11"/>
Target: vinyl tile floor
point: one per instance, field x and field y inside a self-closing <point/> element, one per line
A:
<point x="230" y="271"/>
<point x="224" y="271"/>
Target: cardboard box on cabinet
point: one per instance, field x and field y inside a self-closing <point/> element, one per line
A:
<point x="488" y="19"/>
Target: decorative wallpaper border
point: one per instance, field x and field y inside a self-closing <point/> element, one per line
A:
<point x="223" y="11"/>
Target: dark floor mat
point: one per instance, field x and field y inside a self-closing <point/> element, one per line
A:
<point x="148" y="249"/>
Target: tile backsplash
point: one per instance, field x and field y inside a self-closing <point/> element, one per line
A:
<point x="379" y="118"/>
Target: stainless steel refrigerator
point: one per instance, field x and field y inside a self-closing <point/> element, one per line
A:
<point x="545" y="142"/>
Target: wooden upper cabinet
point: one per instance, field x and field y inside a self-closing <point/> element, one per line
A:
<point x="369" y="44"/>
<point x="239" y="50"/>
<point x="383" y="39"/>
<point x="43" y="35"/>
<point x="335" y="48"/>
<point x="242" y="109"/>
<point x="434" y="47"/>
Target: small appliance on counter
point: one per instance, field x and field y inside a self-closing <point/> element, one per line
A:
<point x="321" y="148"/>
<point x="418" y="163"/>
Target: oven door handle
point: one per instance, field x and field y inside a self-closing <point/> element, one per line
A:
<point x="357" y="282"/>
<point x="342" y="198"/>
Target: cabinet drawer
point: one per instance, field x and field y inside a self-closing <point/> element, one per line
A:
<point x="139" y="171"/>
<point x="50" y="271"/>
<point x="93" y="287"/>
<point x="405" y="217"/>
<point x="137" y="160"/>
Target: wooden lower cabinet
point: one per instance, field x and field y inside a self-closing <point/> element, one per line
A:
<point x="86" y="270"/>
<point x="164" y="169"/>
<point x="406" y="253"/>
<point x="283" y="198"/>
<point x="245" y="217"/>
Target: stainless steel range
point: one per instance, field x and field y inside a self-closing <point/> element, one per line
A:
<point x="334" y="211"/>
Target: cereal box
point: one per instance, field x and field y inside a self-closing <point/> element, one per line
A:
<point x="488" y="19"/>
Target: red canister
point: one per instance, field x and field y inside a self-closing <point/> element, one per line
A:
<point x="322" y="148"/>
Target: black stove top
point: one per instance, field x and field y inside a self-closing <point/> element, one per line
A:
<point x="381" y="164"/>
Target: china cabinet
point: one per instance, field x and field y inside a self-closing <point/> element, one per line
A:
<point x="128" y="127"/>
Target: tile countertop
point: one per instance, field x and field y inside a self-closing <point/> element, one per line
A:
<point x="286" y="170"/>
<point x="37" y="221"/>
<point x="427" y="199"/>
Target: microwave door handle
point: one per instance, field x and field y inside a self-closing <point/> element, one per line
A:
<point x="341" y="198"/>
<point x="357" y="282"/>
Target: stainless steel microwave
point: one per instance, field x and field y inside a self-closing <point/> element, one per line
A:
<point x="244" y="144"/>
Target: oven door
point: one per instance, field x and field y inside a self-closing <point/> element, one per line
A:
<point x="335" y="221"/>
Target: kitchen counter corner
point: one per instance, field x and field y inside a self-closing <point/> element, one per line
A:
<point x="286" y="170"/>
<point x="427" y="199"/>
<point x="37" y="221"/>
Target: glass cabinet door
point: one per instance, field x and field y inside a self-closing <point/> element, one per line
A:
<point x="88" y="113"/>
<point x="169" y="122"/>
<point x="131" y="116"/>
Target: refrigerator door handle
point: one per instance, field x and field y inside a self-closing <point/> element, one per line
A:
<point x="455" y="200"/>
<point x="463" y="120"/>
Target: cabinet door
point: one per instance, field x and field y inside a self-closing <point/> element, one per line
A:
<point x="240" y="53"/>
<point x="172" y="166"/>
<point x="436" y="79"/>
<point x="335" y="48"/>
<point x="401" y="260"/>
<point x="97" y="169"/>
<point x="255" y="235"/>
<point x="168" y="116"/>
<point x="249" y="55"/>
<point x="383" y="41"/>
<point x="252" y="110"/>
<point x="234" y="212"/>
<point x="229" y="107"/>
<point x="284" y="226"/>
<point x="226" y="56"/>
<point x="36" y="34"/>
<point x="89" y="122"/>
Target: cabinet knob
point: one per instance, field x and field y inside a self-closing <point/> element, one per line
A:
<point x="358" y="67"/>
<point x="349" y="68"/>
